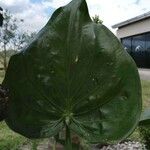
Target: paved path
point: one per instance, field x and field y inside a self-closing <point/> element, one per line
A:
<point x="144" y="74"/>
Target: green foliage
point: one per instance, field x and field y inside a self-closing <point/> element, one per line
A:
<point x="12" y="39"/>
<point x="75" y="74"/>
<point x="8" y="139"/>
<point x="144" y="126"/>
<point x="97" y="19"/>
<point x="34" y="144"/>
<point x="145" y="135"/>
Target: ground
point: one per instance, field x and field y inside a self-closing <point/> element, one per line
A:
<point x="144" y="74"/>
<point x="13" y="141"/>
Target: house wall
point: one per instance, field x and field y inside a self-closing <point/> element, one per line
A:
<point x="133" y="29"/>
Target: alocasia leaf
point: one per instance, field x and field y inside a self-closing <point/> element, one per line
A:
<point x="75" y="72"/>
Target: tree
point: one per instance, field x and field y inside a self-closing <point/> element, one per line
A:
<point x="7" y="34"/>
<point x="97" y="19"/>
<point x="11" y="39"/>
<point x="21" y="40"/>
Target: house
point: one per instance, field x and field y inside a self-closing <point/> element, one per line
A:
<point x="135" y="36"/>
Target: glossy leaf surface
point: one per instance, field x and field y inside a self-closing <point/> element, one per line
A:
<point x="74" y="72"/>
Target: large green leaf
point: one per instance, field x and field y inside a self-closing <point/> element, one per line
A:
<point x="77" y="73"/>
<point x="145" y="117"/>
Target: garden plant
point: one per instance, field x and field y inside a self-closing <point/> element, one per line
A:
<point x="75" y="77"/>
<point x="144" y="127"/>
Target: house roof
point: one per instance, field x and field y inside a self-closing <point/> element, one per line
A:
<point x="132" y="20"/>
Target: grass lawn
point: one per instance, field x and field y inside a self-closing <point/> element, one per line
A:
<point x="146" y="93"/>
<point x="9" y="140"/>
<point x="12" y="141"/>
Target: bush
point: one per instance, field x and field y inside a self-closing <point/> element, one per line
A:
<point x="145" y="135"/>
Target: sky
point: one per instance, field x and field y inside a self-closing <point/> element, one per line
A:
<point x="36" y="13"/>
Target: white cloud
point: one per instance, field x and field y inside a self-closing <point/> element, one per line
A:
<point x="35" y="17"/>
<point x="56" y="3"/>
<point x="115" y="11"/>
<point x="14" y="2"/>
<point x="34" y="14"/>
<point x="15" y="5"/>
<point x="110" y="11"/>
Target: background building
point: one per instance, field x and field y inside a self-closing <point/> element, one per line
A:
<point x="135" y="36"/>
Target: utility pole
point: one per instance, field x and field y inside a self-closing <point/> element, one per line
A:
<point x="1" y="17"/>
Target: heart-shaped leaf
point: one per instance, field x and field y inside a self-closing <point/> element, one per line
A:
<point x="75" y="73"/>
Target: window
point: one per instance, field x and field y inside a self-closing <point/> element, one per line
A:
<point x="139" y="50"/>
<point x="148" y="49"/>
<point x="138" y="47"/>
<point x="127" y="44"/>
<point x="138" y="44"/>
